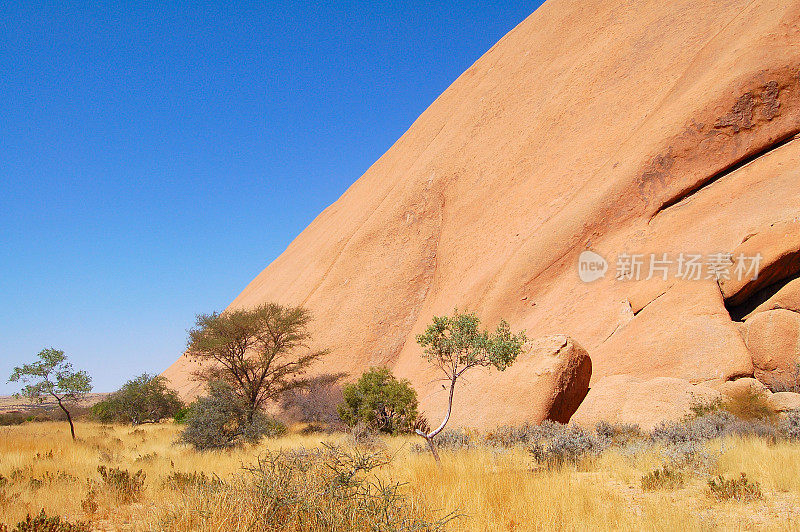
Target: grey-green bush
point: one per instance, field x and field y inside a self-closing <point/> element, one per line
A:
<point x="569" y="445"/>
<point x="222" y="419"/>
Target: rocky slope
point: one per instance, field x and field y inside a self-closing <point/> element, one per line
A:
<point x="620" y="127"/>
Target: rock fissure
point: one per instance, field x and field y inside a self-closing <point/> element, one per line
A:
<point x="749" y="306"/>
<point x="686" y="195"/>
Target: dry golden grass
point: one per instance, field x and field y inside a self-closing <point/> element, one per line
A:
<point x="493" y="489"/>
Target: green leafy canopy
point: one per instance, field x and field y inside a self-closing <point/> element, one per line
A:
<point x="261" y="352"/>
<point x="143" y="399"/>
<point x="381" y="401"/>
<point x="456" y="343"/>
<point x="52" y="375"/>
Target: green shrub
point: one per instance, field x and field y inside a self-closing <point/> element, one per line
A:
<point x="223" y="420"/>
<point x="703" y="408"/>
<point x="739" y="489"/>
<point x="664" y="478"/>
<point x="380" y="401"/>
<point x="145" y="399"/>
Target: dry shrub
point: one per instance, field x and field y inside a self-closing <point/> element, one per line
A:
<point x="713" y="425"/>
<point x="791" y="384"/>
<point x="362" y="435"/>
<point x="43" y="523"/>
<point x="148" y="457"/>
<point x="182" y="481"/>
<point x="89" y="504"/>
<point x="750" y="405"/>
<point x="738" y="489"/>
<point x="13" y="418"/>
<point x="567" y="445"/>
<point x="790" y="425"/>
<point x="316" y="403"/>
<point x="331" y="488"/>
<point x="126" y="486"/>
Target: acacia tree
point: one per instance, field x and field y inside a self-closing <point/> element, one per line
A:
<point x="52" y="375"/>
<point x="455" y="344"/>
<point x="261" y="352"/>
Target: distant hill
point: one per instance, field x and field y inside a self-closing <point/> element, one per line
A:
<point x="9" y="403"/>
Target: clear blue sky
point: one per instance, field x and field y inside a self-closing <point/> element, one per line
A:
<point x="153" y="160"/>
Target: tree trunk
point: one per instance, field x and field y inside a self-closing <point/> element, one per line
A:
<point x="432" y="447"/>
<point x="429" y="436"/>
<point x="69" y="418"/>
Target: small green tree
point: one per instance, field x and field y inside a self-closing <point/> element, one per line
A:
<point x="381" y="401"/>
<point x="52" y="375"/>
<point x="144" y="399"/>
<point x="456" y="344"/>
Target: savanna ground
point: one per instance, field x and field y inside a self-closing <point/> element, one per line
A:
<point x="489" y="488"/>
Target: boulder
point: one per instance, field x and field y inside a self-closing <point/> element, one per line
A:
<point x="778" y="247"/>
<point x="548" y="381"/>
<point x="785" y="401"/>
<point x="702" y="345"/>
<point x="773" y="339"/>
<point x="629" y="399"/>
<point x="737" y="386"/>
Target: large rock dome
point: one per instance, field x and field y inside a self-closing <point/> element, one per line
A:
<point x="630" y="129"/>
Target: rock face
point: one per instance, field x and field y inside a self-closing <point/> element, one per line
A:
<point x="628" y="399"/>
<point x="551" y="378"/>
<point x="629" y="129"/>
<point x="779" y="246"/>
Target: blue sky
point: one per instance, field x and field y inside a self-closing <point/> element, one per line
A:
<point x="154" y="159"/>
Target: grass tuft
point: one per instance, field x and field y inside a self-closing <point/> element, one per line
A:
<point x="666" y="478"/>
